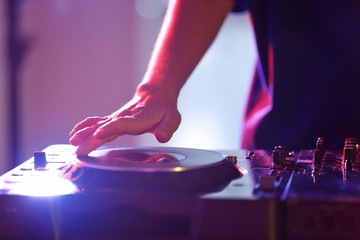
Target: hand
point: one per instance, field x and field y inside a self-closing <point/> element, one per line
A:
<point x="146" y="112"/>
<point x="188" y="30"/>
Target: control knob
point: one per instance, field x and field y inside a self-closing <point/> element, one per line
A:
<point x="349" y="153"/>
<point x="319" y="151"/>
<point x="279" y="155"/>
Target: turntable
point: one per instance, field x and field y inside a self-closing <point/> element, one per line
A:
<point x="177" y="193"/>
<point x="152" y="169"/>
<point x="135" y="193"/>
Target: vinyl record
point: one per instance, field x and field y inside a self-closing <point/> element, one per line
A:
<point x="151" y="168"/>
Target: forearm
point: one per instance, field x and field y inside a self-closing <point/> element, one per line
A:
<point x="188" y="30"/>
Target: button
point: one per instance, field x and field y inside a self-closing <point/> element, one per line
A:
<point x="17" y="174"/>
<point x="39" y="160"/>
<point x="25" y="169"/>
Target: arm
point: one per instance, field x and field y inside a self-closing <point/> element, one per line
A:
<point x="189" y="28"/>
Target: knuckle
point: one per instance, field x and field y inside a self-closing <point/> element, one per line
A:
<point x="89" y="118"/>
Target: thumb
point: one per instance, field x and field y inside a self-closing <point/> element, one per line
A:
<point x="168" y="125"/>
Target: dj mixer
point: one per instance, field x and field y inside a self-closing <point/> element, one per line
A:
<point x="180" y="193"/>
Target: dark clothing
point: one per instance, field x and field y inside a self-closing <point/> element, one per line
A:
<point x="308" y="75"/>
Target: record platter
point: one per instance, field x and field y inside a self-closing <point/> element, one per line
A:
<point x="179" y="193"/>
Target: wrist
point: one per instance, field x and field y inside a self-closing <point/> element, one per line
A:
<point x="159" y="90"/>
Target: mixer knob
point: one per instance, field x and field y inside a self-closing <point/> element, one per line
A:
<point x="276" y="156"/>
<point x="250" y="154"/>
<point x="232" y="159"/>
<point x="348" y="158"/>
<point x="279" y="155"/>
<point x="317" y="157"/>
<point x="349" y="153"/>
<point x="39" y="160"/>
<point x="350" y="141"/>
<point x="320" y="145"/>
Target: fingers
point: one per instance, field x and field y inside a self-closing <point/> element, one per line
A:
<point x="164" y="127"/>
<point x="91" y="143"/>
<point x="121" y="126"/>
<point x="168" y="125"/>
<point x="86" y="123"/>
<point x="81" y="135"/>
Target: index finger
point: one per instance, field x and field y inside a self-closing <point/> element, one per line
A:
<point x="86" y="123"/>
<point x="124" y="125"/>
<point x="91" y="143"/>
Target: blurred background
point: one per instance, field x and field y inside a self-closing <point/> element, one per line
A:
<point x="63" y="60"/>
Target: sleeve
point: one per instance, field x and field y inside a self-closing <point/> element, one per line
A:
<point x="239" y="6"/>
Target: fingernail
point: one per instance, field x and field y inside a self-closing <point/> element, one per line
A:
<point x="71" y="133"/>
<point x="98" y="132"/>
